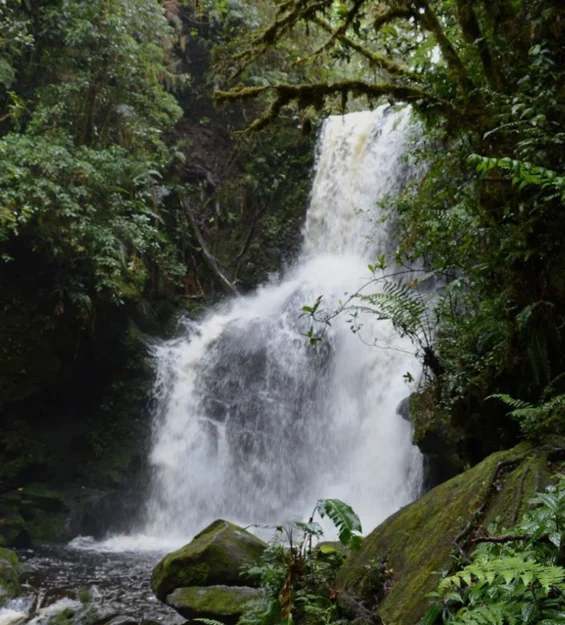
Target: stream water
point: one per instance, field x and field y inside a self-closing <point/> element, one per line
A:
<point x="88" y="584"/>
<point x="253" y="424"/>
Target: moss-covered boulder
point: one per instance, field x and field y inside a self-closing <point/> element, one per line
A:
<point x="9" y="575"/>
<point x="418" y="540"/>
<point x="216" y="556"/>
<point x="223" y="603"/>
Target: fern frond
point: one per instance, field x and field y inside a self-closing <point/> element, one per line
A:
<point x="511" y="402"/>
<point x="491" y="614"/>
<point x="505" y="570"/>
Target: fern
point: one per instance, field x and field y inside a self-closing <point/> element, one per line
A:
<point x="493" y="614"/>
<point x="508" y="571"/>
<point x="512" y="402"/>
<point x="534" y="420"/>
<point x="402" y="305"/>
<point x="524" y="174"/>
<point x="515" y="581"/>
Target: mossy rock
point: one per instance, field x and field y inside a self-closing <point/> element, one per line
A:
<point x="216" y="556"/>
<point x="31" y="516"/>
<point x="9" y="575"/>
<point x="223" y="603"/>
<point x="418" y="540"/>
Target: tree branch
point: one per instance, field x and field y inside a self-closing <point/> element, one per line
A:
<point x="500" y="539"/>
<point x="208" y="256"/>
<point x="315" y="95"/>
<point x="462" y="538"/>
<point x="389" y="16"/>
<point x="342" y="28"/>
<point x="377" y="60"/>
<point x="289" y="14"/>
<point x="430" y="22"/>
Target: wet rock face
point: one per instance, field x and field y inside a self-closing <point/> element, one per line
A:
<point x="259" y="400"/>
<point x="215" y="557"/>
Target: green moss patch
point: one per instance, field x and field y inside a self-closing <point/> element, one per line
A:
<point x="225" y="603"/>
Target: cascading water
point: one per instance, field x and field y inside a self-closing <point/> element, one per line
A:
<point x="255" y="425"/>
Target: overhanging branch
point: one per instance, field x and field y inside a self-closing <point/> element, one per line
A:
<point x="315" y="95"/>
<point x="289" y="14"/>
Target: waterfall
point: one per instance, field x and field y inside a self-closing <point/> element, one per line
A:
<point x="253" y="424"/>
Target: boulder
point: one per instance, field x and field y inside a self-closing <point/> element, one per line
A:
<point x="215" y="557"/>
<point x="417" y="542"/>
<point x="9" y="575"/>
<point x="223" y="603"/>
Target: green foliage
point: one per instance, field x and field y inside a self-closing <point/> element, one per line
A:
<point x="90" y="210"/>
<point x="344" y="518"/>
<point x="524" y="174"/>
<point x="516" y="576"/>
<point x="536" y="420"/>
<point x="296" y="575"/>
<point x="82" y="154"/>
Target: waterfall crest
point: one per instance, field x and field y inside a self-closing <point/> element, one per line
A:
<point x="253" y="424"/>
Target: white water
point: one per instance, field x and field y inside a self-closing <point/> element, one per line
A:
<point x="254" y="425"/>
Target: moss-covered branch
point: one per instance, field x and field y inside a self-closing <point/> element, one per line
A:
<point x="430" y="22"/>
<point x="315" y="95"/>
<point x="390" y="16"/>
<point x="343" y="27"/>
<point x="288" y="15"/>
<point x="376" y="60"/>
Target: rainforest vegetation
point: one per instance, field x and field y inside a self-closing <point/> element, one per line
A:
<point x="126" y="198"/>
<point x="153" y="157"/>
